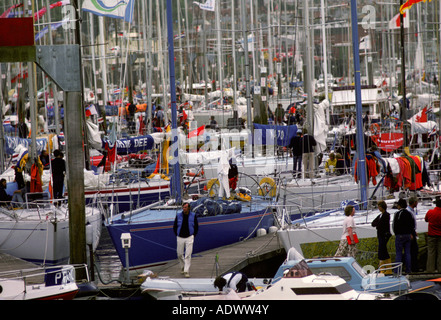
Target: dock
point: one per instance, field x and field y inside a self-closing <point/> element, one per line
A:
<point x="240" y="256"/>
<point x="11" y="263"/>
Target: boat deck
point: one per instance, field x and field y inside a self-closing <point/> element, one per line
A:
<point x="10" y="267"/>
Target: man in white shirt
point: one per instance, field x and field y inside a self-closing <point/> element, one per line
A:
<point x="235" y="281"/>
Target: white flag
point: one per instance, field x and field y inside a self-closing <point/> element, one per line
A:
<point x="119" y="9"/>
<point x="208" y="5"/>
<point x="395" y="23"/>
<point x="365" y="43"/>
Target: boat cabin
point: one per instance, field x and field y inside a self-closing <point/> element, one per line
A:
<point x="373" y="100"/>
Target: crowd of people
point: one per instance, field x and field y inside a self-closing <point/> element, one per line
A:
<point x="404" y="229"/>
<point x="24" y="188"/>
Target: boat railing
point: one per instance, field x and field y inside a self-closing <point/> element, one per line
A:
<point x="45" y="274"/>
<point x="391" y="278"/>
<point x="394" y="268"/>
<point x="37" y="199"/>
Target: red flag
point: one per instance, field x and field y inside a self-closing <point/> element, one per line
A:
<point x="421" y="116"/>
<point x="409" y="3"/>
<point x="395" y="23"/>
<point x="196" y="132"/>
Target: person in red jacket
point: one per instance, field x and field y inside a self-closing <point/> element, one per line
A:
<point x="433" y="217"/>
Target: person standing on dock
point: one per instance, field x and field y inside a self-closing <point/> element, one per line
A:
<point x="58" y="165"/>
<point x="186" y="228"/>
<point x="433" y="217"/>
<point x="382" y="224"/>
<point x="412" y="208"/>
<point x="348" y="241"/>
<point x="404" y="227"/>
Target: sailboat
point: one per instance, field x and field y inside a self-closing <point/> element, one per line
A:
<point x="37" y="229"/>
<point x="150" y="229"/>
<point x="127" y="189"/>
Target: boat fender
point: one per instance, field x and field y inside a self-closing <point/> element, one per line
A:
<point x="260" y="232"/>
<point x="210" y="184"/>
<point x="272" y="229"/>
<point x="267" y="187"/>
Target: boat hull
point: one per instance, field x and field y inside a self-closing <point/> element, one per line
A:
<point x="154" y="242"/>
<point x="43" y="241"/>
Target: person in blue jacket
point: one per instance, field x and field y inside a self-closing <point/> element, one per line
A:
<point x="186" y="228"/>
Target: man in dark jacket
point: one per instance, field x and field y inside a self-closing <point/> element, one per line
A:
<point x="297" y="152"/>
<point x="308" y="144"/>
<point x="58" y="165"/>
<point x="403" y="227"/>
<point x="5" y="198"/>
<point x="382" y="223"/>
<point x="186" y="228"/>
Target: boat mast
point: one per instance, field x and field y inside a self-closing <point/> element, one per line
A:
<point x="308" y="82"/>
<point x="247" y="63"/>
<point x="403" y="113"/>
<point x="175" y="186"/>
<point x="148" y="61"/>
<point x="359" y="121"/>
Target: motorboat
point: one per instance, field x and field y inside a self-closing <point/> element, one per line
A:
<point x="43" y="283"/>
<point x="387" y="279"/>
<point x="382" y="280"/>
<point x="300" y="283"/>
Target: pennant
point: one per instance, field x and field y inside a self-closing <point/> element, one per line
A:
<point x="395" y="23"/>
<point x="43" y="11"/>
<point x="6" y="13"/>
<point x="409" y="3"/>
<point x="118" y="9"/>
<point x="209" y="5"/>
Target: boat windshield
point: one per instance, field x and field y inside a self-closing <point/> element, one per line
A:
<point x="299" y="270"/>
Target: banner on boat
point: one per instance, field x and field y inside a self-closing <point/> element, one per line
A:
<point x="119" y="9"/>
<point x="268" y="134"/>
<point x="11" y="143"/>
<point x="134" y="145"/>
<point x="388" y="141"/>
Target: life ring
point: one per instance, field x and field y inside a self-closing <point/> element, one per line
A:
<point x="375" y="128"/>
<point x="267" y="187"/>
<point x="210" y="185"/>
